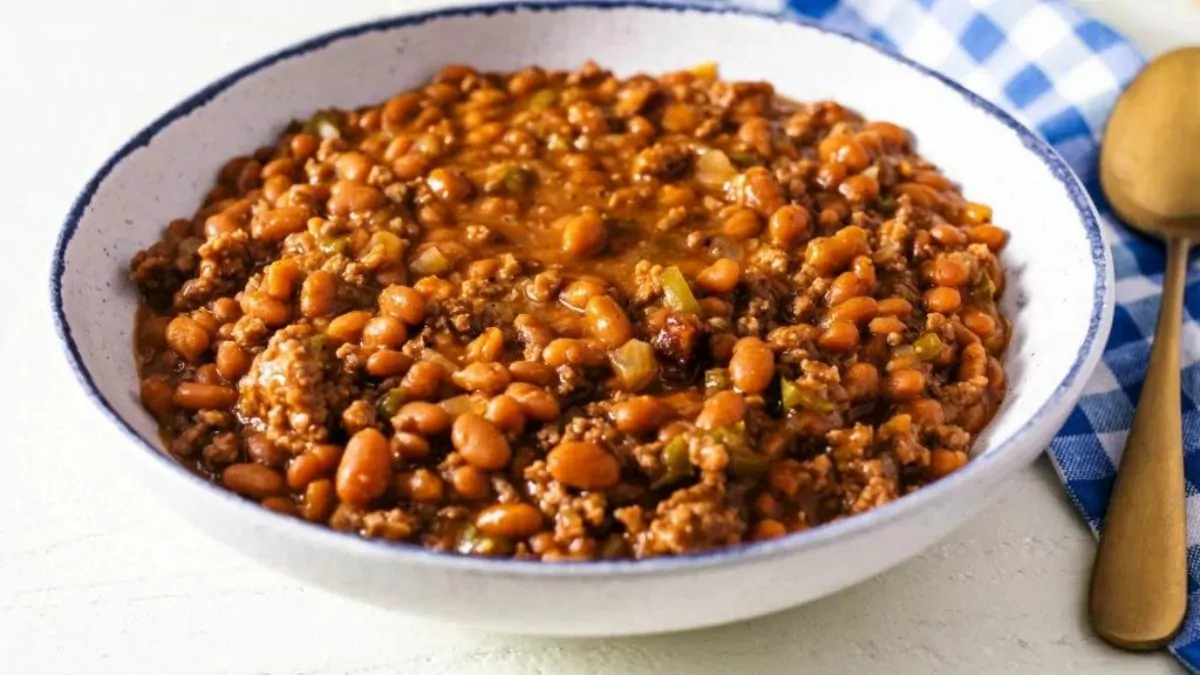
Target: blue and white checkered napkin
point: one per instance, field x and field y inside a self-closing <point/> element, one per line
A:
<point x="1059" y="71"/>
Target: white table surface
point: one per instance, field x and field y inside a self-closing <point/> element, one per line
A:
<point x="95" y="577"/>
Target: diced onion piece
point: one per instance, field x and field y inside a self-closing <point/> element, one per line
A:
<point x="746" y="464"/>
<point x="705" y="71"/>
<point x="676" y="463"/>
<point x="714" y="169"/>
<point x="794" y="395"/>
<point x="389" y="404"/>
<point x="324" y="125"/>
<point x="716" y="379"/>
<point x="431" y="260"/>
<point x="543" y="98"/>
<point x="677" y="293"/>
<point x="437" y="357"/>
<point x="634" y="365"/>
<point x="461" y="405"/>
<point x="929" y="346"/>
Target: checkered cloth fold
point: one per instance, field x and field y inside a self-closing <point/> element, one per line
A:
<point x="1059" y="71"/>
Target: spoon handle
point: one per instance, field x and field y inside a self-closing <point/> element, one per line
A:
<point x="1139" y="582"/>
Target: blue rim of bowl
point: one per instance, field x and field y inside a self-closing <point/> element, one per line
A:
<point x="792" y="543"/>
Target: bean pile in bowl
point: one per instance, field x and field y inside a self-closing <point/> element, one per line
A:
<point x="567" y="316"/>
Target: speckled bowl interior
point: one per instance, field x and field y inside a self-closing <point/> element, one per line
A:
<point x="1059" y="282"/>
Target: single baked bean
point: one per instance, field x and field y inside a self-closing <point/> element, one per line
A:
<point x="280" y="166"/>
<point x="387" y="363"/>
<point x="448" y="184"/>
<point x="365" y="469"/>
<point x="488" y="378"/>
<point x="715" y="307"/>
<point x="885" y="325"/>
<point x="346" y="197"/>
<point x="583" y="465"/>
<point x="767" y="528"/>
<point x="948" y="271"/>
<point x="226" y="310"/>
<point x="922" y="196"/>
<point x="973" y="362"/>
<point x="387" y="332"/>
<point x="263" y="307"/>
<point x="504" y="412"/>
<point x="571" y="352"/>
<point x="670" y="195"/>
<point x="410" y="166"/>
<point x="422" y="380"/>
<point x="157" y="395"/>
<point x="990" y="235"/>
<point x="421" y="485"/>
<point x="979" y="323"/>
<point x="721" y="346"/>
<point x="232" y="361"/>
<point x="577" y="293"/>
<point x="839" y="336"/>
<point x="639" y="414"/>
<point x="926" y="412"/>
<point x="720" y="277"/>
<point x="352" y="166"/>
<point x="857" y="311"/>
<point x="861" y="381"/>
<point x="977" y="214"/>
<point x="187" y="337"/>
<point x="948" y="235"/>
<point x="208" y="374"/>
<point x="470" y="483"/>
<point x="304" y="469"/>
<point x="844" y="287"/>
<point x="348" y="327"/>
<point x="752" y="365"/>
<point x="532" y="372"/>
<point x="262" y="450"/>
<point x="480" y="443"/>
<point x="583" y="234"/>
<point x="608" y="322"/>
<point x="279" y="222"/>
<point x="789" y="225"/>
<point x="281" y="505"/>
<point x="303" y="145"/>
<point x="741" y="224"/>
<point x="279" y="278"/>
<point x="826" y="255"/>
<point x="945" y="462"/>
<point x="761" y="191"/>
<point x="318" y="500"/>
<point x="409" y="447"/>
<point x="198" y="396"/>
<point x="318" y="293"/>
<point x="537" y="403"/>
<point x="207" y="320"/>
<point x="859" y="189"/>
<point x="487" y="347"/>
<point x="898" y="307"/>
<point x="943" y="300"/>
<point x="721" y="410"/>
<point x="329" y="454"/>
<point x="252" y="480"/>
<point x="905" y="384"/>
<point x="425" y="418"/>
<point x="403" y="303"/>
<point x="512" y="521"/>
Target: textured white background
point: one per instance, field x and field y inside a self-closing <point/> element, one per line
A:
<point x="96" y="578"/>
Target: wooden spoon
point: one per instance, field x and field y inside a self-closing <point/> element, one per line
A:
<point x="1150" y="172"/>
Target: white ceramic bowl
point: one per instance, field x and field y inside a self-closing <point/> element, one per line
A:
<point x="1059" y="296"/>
